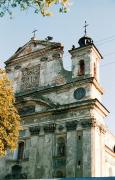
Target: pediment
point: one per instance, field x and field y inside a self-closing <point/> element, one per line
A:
<point x="28" y="48"/>
<point x="31" y="47"/>
<point x="30" y="105"/>
<point x="39" y="101"/>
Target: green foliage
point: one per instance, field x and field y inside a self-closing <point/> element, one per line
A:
<point x="42" y="6"/>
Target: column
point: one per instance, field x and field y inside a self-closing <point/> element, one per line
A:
<point x="71" y="154"/>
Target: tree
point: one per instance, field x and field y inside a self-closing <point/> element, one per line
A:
<point x="9" y="118"/>
<point x="41" y="6"/>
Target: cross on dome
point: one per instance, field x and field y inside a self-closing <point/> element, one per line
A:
<point x="85" y="26"/>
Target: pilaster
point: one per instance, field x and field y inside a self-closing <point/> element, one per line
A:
<point x="33" y="157"/>
<point x="71" y="154"/>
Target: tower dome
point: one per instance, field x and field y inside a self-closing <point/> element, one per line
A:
<point x="85" y="40"/>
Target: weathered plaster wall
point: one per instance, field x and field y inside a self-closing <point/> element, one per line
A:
<point x="84" y="137"/>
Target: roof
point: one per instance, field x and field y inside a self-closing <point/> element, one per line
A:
<point x="32" y="46"/>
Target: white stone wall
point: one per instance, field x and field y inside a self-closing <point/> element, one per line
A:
<point x="97" y="153"/>
<point x="49" y="70"/>
<point x="90" y="57"/>
<point x="109" y="165"/>
<point x="66" y="96"/>
<point x="109" y="154"/>
<point x="110" y="140"/>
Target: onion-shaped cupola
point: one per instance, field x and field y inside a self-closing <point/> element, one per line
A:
<point x="85" y="41"/>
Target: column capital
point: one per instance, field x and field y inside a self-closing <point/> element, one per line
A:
<point x="102" y="129"/>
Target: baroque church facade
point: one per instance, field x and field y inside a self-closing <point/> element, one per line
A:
<point x="63" y="132"/>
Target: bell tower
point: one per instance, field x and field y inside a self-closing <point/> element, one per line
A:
<point x="85" y="59"/>
<point x="85" y="65"/>
<point x="85" y="70"/>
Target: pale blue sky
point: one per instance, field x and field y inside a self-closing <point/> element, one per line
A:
<point x="68" y="28"/>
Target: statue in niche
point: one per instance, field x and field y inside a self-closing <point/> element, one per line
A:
<point x="61" y="147"/>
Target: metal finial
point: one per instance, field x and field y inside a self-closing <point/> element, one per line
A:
<point x="34" y="33"/>
<point x="85" y="28"/>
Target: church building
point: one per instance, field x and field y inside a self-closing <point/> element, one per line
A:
<point x="63" y="133"/>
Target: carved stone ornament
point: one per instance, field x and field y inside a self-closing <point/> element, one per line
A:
<point x="8" y="70"/>
<point x="44" y="59"/>
<point x="49" y="128"/>
<point x="34" y="130"/>
<point x="17" y="67"/>
<point x="30" y="78"/>
<point x="88" y="124"/>
<point x="102" y="129"/>
<point x="71" y="125"/>
<point x="61" y="127"/>
<point x="56" y="55"/>
<point x="85" y="124"/>
<point x="93" y="123"/>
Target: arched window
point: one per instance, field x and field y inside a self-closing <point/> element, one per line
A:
<point x="61" y="148"/>
<point x="20" y="150"/>
<point x="81" y="67"/>
<point x="95" y="70"/>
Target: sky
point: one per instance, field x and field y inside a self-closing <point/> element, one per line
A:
<point x="67" y="29"/>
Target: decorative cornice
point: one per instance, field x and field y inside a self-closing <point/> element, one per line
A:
<point x="34" y="54"/>
<point x="70" y="126"/>
<point x="81" y="105"/>
<point x="71" y="83"/>
<point x="89" y="123"/>
<point x="92" y="123"/>
<point x="97" y="86"/>
<point x="35" y="100"/>
<point x="110" y="151"/>
<point x="73" y="51"/>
